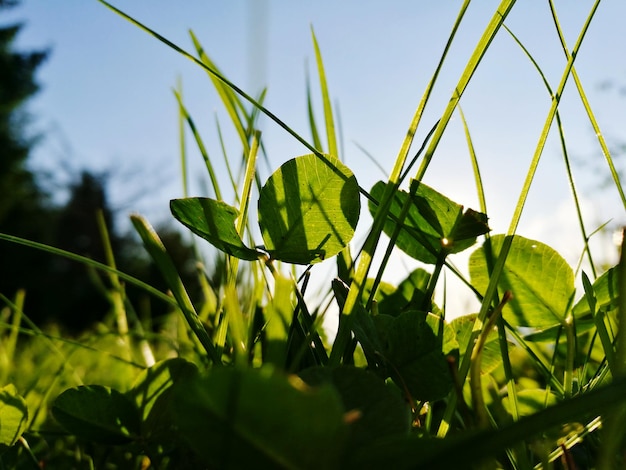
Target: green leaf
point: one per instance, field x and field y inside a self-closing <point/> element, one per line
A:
<point x="457" y="450"/>
<point x="550" y="334"/>
<point x="258" y="418"/>
<point x="531" y="401"/>
<point x="434" y="227"/>
<point x="215" y="222"/>
<point x="408" y="296"/>
<point x="378" y="409"/>
<point x="605" y="290"/>
<point x="447" y="337"/>
<point x="98" y="414"/>
<point x="13" y="415"/>
<point x="152" y="390"/>
<point x="157" y="251"/>
<point x="491" y="357"/>
<point x="414" y="351"/>
<point x="308" y="209"/>
<point x="278" y="317"/>
<point x="363" y="327"/>
<point x="541" y="281"/>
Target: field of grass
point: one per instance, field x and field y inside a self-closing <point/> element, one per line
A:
<point x="249" y="376"/>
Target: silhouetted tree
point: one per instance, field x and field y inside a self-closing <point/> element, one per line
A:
<point x="24" y="208"/>
<point x="57" y="289"/>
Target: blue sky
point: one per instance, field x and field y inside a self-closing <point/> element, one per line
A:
<point x="107" y="102"/>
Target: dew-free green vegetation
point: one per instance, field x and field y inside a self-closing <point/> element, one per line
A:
<point x="249" y="378"/>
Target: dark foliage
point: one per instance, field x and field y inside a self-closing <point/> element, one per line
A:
<point x="57" y="289"/>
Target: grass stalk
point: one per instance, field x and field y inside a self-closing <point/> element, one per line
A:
<point x="566" y="160"/>
<point x="587" y="106"/>
<point x="490" y="293"/>
<point x="613" y="422"/>
<point x="181" y="138"/>
<point x="371" y="242"/>
<point x="203" y="151"/>
<point x="155" y="248"/>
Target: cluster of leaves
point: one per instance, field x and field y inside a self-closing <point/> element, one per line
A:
<point x="523" y="382"/>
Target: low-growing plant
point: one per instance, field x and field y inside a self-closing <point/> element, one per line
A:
<point x="535" y="378"/>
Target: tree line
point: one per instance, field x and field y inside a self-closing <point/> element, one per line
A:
<point x="58" y="290"/>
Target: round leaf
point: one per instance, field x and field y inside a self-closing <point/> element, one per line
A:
<point x="541" y="281"/>
<point x="308" y="209"/>
<point x="258" y="418"/>
<point x="435" y="226"/>
<point x="415" y="355"/>
<point x="97" y="413"/>
<point x="380" y="409"/>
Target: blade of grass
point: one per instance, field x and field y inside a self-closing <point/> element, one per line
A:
<point x="566" y="159"/>
<point x="344" y="259"/>
<point x="89" y="262"/>
<point x="480" y="189"/>
<point x="182" y="142"/>
<point x="232" y="319"/>
<point x="116" y="294"/>
<point x="155" y="248"/>
<point x="317" y="143"/>
<point x="613" y="435"/>
<point x="587" y="106"/>
<point x="225" y="92"/>
<point x="203" y="151"/>
<point x="366" y="255"/>
<point x="9" y="343"/>
<point x="490" y="293"/>
<point x="329" y="121"/>
<point x="231" y="177"/>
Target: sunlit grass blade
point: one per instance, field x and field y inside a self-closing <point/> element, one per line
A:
<point x="217" y="75"/>
<point x="490" y="293"/>
<point x="566" y="159"/>
<point x="90" y="262"/>
<point x="201" y="146"/>
<point x="232" y="318"/>
<point x="480" y="189"/>
<point x="587" y="106"/>
<point x="317" y="143"/>
<point x="231" y="176"/>
<point x="380" y="217"/>
<point x="249" y="178"/>
<point x="613" y="422"/>
<point x="329" y="120"/>
<point x="181" y="140"/>
<point x="9" y="343"/>
<point x="344" y="260"/>
<point x="157" y="251"/>
<point x="116" y="294"/>
<point x="230" y="101"/>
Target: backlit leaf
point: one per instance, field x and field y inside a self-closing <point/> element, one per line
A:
<point x="434" y="226"/>
<point x="215" y="222"/>
<point x="541" y="281"/>
<point x="605" y="292"/>
<point x="414" y="353"/>
<point x="308" y="209"/>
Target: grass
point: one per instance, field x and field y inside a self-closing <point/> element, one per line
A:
<point x="250" y="376"/>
